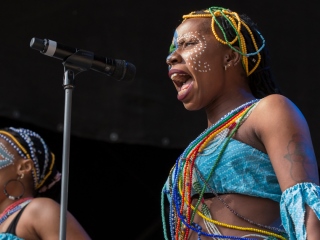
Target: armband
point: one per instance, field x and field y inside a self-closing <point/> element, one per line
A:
<point x="293" y="207"/>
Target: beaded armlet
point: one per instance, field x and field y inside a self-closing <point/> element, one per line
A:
<point x="293" y="207"/>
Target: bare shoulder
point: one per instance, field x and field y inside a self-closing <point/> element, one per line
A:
<point x="276" y="102"/>
<point x="42" y="205"/>
<point x="43" y="209"/>
<point x="40" y="215"/>
<point x="42" y="218"/>
<point x="43" y="200"/>
<point x="274" y="115"/>
<point x="277" y="110"/>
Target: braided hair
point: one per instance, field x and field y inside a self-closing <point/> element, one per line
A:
<point x="242" y="35"/>
<point x="30" y="145"/>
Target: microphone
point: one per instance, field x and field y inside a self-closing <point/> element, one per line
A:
<point x="121" y="70"/>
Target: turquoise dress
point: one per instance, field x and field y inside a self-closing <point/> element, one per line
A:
<point x="9" y="236"/>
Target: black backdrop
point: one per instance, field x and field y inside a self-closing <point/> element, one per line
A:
<point x="126" y="135"/>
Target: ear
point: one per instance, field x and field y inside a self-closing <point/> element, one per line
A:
<point x="25" y="166"/>
<point x="232" y="57"/>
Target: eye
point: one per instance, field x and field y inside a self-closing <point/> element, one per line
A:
<point x="181" y="44"/>
<point x="190" y="43"/>
<point x="187" y="43"/>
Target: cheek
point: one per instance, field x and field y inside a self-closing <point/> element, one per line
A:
<point x="196" y="59"/>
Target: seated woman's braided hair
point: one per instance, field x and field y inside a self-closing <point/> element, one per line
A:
<point x="241" y="34"/>
<point x="30" y="145"/>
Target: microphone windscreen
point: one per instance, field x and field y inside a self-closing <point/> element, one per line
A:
<point x="37" y="44"/>
<point x="124" y="71"/>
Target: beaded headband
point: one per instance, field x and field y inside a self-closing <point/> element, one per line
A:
<point x="237" y="24"/>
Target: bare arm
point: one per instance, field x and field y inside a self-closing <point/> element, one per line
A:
<point x="42" y="219"/>
<point x="286" y="137"/>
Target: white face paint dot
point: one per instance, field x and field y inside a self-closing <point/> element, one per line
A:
<point x="199" y="42"/>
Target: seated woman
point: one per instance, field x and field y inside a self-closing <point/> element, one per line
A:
<point x="27" y="170"/>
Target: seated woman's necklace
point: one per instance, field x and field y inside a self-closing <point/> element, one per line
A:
<point x="12" y="208"/>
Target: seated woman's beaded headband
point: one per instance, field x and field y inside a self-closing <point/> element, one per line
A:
<point x="236" y="23"/>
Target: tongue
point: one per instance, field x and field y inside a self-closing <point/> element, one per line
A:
<point x="185" y="85"/>
<point x="185" y="89"/>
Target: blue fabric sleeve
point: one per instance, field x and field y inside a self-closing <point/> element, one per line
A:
<point x="293" y="207"/>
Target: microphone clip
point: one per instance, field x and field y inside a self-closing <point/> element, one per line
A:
<point x="80" y="61"/>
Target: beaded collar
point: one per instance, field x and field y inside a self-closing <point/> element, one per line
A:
<point x="12" y="208"/>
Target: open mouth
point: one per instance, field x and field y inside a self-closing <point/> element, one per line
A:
<point x="179" y="77"/>
<point x="182" y="81"/>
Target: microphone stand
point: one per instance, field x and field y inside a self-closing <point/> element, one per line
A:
<point x="76" y="63"/>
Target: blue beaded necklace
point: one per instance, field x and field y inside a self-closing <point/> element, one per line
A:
<point x="11" y="209"/>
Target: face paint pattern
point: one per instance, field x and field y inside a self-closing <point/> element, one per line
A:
<point x="6" y="158"/>
<point x="194" y="54"/>
<point x="173" y="46"/>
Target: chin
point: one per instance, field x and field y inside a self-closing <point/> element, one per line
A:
<point x="190" y="107"/>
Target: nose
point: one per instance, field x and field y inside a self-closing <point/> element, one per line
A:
<point x="173" y="58"/>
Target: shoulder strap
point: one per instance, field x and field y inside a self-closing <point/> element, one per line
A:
<point x="13" y="224"/>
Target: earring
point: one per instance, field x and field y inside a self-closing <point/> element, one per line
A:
<point x="226" y="66"/>
<point x="14" y="180"/>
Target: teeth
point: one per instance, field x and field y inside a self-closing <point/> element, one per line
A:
<point x="173" y="76"/>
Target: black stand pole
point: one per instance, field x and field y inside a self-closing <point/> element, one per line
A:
<point x="76" y="63"/>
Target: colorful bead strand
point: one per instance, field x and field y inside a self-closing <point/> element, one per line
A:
<point x="227" y="122"/>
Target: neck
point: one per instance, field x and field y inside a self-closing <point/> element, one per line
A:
<point x="225" y="106"/>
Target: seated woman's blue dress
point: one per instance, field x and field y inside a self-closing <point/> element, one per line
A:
<point x="9" y="236"/>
